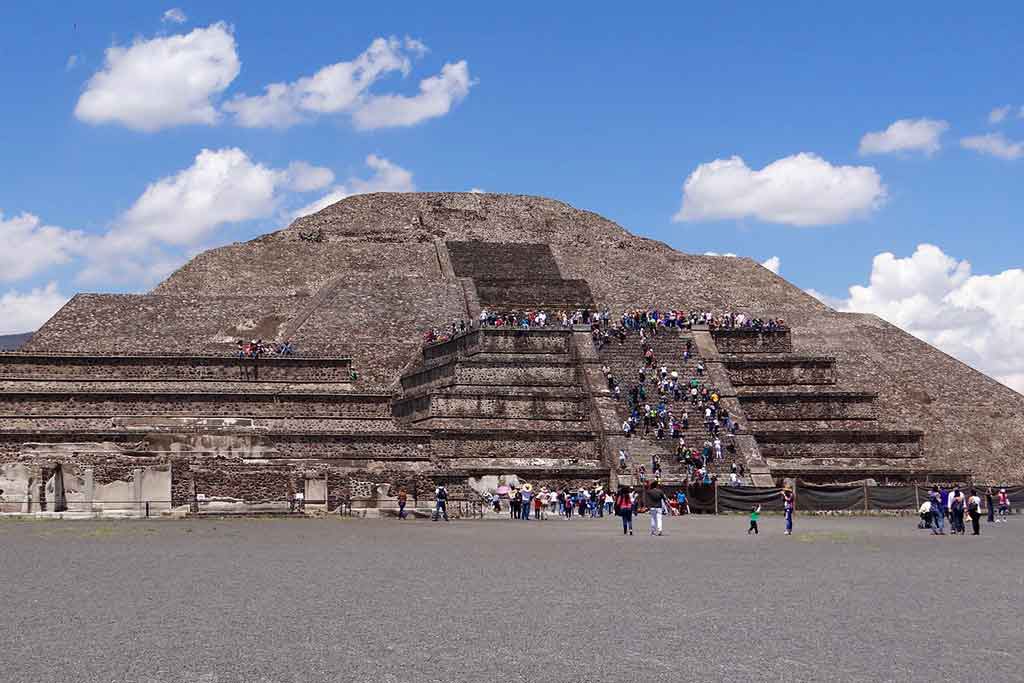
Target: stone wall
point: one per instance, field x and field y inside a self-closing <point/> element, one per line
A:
<point x="193" y="404"/>
<point x="780" y="371"/>
<point x="523" y="293"/>
<point x="527" y="373"/>
<point x="500" y="261"/>
<point x="200" y="368"/>
<point x="134" y="323"/>
<point x="841" y="444"/>
<point x="753" y="341"/>
<point x="809" y="406"/>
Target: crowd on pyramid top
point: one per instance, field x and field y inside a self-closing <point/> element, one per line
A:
<point x="653" y="318"/>
<point x="257" y="348"/>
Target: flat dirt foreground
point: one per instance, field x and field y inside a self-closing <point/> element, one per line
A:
<point x="309" y="600"/>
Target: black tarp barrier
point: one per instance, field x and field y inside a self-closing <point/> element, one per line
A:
<point x="743" y="498"/>
<point x="893" y="498"/>
<point x="814" y="498"/>
<point x="822" y="498"/>
<point x="701" y="498"/>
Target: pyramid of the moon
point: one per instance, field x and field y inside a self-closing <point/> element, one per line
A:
<point x="117" y="388"/>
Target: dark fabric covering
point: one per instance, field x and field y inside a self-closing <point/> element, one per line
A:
<point x="812" y="498"/>
<point x="701" y="498"/>
<point x="743" y="498"/>
<point x="893" y="498"/>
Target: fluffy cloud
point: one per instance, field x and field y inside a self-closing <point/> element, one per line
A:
<point x="30" y="247"/>
<point x="386" y="177"/>
<point x="343" y="88"/>
<point x="304" y="177"/>
<point x="999" y="114"/>
<point x="334" y="88"/>
<point x="978" y="319"/>
<point x="174" y="16"/>
<point x="772" y="263"/>
<point x="801" y="190"/>
<point x="436" y="97"/>
<point x="166" y="81"/>
<point x="185" y="209"/>
<point x="905" y="135"/>
<point x="26" y="311"/>
<point x="221" y="186"/>
<point x="994" y="144"/>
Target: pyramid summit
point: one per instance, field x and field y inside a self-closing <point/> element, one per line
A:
<point x="114" y="383"/>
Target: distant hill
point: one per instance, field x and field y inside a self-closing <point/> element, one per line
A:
<point x="13" y="342"/>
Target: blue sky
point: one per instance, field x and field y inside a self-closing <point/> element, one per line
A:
<point x="609" y="110"/>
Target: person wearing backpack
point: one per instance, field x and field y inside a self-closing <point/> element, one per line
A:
<point x="441" y="503"/>
<point x="974" y="510"/>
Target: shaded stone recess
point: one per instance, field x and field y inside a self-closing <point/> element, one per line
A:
<point x="113" y="381"/>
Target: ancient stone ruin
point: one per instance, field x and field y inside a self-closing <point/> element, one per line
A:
<point x="141" y="397"/>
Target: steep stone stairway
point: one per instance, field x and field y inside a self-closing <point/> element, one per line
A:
<point x="624" y="361"/>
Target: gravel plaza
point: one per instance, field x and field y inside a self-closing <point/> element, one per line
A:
<point x="289" y="600"/>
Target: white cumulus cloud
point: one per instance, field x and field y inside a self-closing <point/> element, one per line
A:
<point x="802" y="190"/>
<point x="302" y="176"/>
<point x="978" y="319"/>
<point x="905" y="135"/>
<point x="999" y="114"/>
<point x="386" y="177"/>
<point x="436" y="97"/>
<point x="174" y="16"/>
<point x="186" y="209"/>
<point x="29" y="246"/>
<point x="162" y="82"/>
<point x="994" y="144"/>
<point x="772" y="263"/>
<point x="26" y="311"/>
<point x="344" y="88"/>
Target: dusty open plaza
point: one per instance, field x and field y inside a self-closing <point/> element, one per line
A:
<point x="282" y="600"/>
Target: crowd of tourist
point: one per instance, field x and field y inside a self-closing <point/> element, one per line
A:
<point x="539" y="318"/>
<point x="649" y="402"/>
<point x="257" y="348"/>
<point x="956" y="506"/>
<point x="653" y="319"/>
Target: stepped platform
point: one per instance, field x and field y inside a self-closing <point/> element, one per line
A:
<point x="831" y="395"/>
<point x="177" y="367"/>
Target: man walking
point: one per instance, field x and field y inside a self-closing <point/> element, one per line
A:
<point x="655" y="503"/>
<point x="441" y="503"/>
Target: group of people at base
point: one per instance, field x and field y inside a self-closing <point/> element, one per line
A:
<point x="954" y="505"/>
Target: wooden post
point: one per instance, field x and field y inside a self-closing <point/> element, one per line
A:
<point x="917" y="499"/>
<point x="716" y="497"/>
<point x="865" y="495"/>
